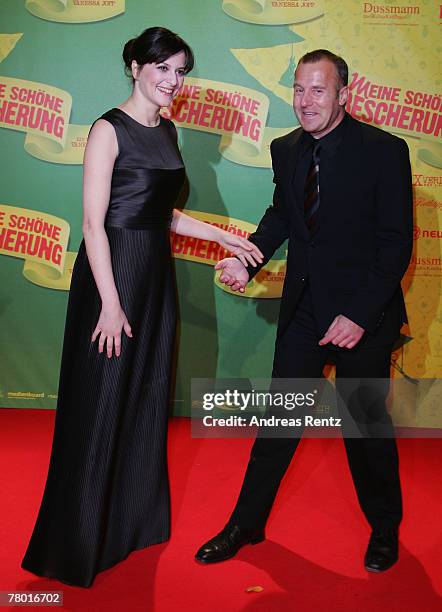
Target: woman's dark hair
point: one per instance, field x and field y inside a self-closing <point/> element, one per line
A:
<point x="154" y="46"/>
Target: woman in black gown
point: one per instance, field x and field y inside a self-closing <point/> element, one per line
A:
<point x="107" y="488"/>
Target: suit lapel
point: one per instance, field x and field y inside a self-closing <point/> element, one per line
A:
<point x="299" y="148"/>
<point x="338" y="168"/>
<point x="293" y="155"/>
<point x="289" y="153"/>
<point x="294" y="151"/>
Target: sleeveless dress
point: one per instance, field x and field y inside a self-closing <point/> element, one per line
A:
<point x="107" y="490"/>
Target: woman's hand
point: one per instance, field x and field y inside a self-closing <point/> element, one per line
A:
<point x="245" y="251"/>
<point x="110" y="324"/>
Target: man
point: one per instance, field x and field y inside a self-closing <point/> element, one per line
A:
<point x="343" y="199"/>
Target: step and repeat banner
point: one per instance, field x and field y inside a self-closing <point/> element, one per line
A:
<point x="61" y="68"/>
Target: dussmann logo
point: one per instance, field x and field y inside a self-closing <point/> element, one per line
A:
<point x="371" y="8"/>
<point x="426" y="233"/>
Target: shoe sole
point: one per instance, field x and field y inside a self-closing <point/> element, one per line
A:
<point x="379" y="571"/>
<point x="374" y="571"/>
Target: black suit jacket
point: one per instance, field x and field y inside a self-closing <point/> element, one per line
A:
<point x="355" y="262"/>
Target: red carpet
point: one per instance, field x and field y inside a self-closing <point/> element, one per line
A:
<point x="316" y="537"/>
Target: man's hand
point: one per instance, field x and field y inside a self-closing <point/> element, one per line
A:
<point x="343" y="332"/>
<point x="233" y="273"/>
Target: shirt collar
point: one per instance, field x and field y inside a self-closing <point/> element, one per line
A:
<point x="330" y="141"/>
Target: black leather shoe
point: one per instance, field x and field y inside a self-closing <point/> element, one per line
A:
<point x="227" y="543"/>
<point x="382" y="551"/>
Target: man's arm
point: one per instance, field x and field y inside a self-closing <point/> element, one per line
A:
<point x="271" y="232"/>
<point x="273" y="228"/>
<point x="394" y="236"/>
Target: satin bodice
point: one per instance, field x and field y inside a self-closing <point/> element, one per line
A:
<point x="148" y="173"/>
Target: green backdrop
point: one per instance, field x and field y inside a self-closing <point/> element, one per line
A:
<point x="66" y="45"/>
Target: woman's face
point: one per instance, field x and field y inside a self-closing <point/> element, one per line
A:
<point x="160" y="83"/>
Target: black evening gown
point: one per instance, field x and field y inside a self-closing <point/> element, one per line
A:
<point x="107" y="490"/>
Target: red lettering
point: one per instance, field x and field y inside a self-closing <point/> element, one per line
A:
<point x="204" y="117"/>
<point x="21" y="242"/>
<point x="213" y="251"/>
<point x="189" y="245"/>
<point x="405" y="115"/>
<point x="7" y="239"/>
<point x="22" y="115"/>
<point x="194" y="112"/>
<point x="9" y="118"/>
<point x="217" y="117"/>
<point x="416" y="120"/>
<point x="201" y="249"/>
<point x="57" y="253"/>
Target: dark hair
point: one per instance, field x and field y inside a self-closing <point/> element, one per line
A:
<point x="340" y="64"/>
<point x="154" y="46"/>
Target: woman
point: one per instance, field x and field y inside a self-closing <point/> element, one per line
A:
<point x="107" y="488"/>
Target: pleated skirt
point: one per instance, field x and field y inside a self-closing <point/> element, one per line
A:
<point x="107" y="490"/>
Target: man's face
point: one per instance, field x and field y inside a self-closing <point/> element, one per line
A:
<point x="318" y="99"/>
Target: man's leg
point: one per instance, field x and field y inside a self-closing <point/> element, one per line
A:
<point x="270" y="457"/>
<point x="297" y="355"/>
<point x="373" y="458"/>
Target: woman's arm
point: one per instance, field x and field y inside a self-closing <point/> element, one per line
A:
<point x="99" y="158"/>
<point x="185" y="225"/>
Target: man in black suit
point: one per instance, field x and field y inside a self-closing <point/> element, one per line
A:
<point x="343" y="199"/>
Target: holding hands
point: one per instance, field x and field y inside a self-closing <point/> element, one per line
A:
<point x="234" y="269"/>
<point x="233" y="273"/>
<point x="243" y="249"/>
<point x="246" y="251"/>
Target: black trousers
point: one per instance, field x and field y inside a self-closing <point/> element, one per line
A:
<point x="373" y="460"/>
